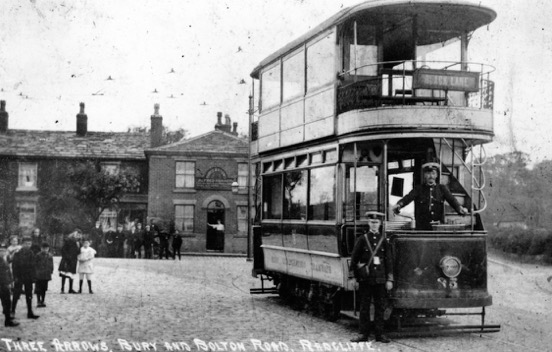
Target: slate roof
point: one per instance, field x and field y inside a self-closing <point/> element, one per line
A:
<point x="213" y="142"/>
<point x="66" y="144"/>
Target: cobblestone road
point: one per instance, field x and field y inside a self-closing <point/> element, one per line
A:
<point x="142" y="304"/>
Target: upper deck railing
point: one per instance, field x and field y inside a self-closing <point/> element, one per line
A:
<point x="410" y="82"/>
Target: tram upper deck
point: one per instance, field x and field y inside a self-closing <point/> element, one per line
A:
<point x="381" y="67"/>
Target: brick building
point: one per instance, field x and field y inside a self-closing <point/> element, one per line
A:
<point x="191" y="186"/>
<point x="29" y="160"/>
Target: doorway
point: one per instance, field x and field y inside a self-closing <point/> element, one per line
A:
<point x="214" y="236"/>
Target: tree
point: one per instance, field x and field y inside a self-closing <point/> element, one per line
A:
<point x="77" y="194"/>
<point x="517" y="192"/>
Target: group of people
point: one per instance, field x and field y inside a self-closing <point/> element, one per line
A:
<point x="21" y="267"/>
<point x="30" y="264"/>
<point x="135" y="241"/>
<point x="372" y="258"/>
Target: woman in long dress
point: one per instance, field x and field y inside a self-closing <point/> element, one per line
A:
<point x="68" y="265"/>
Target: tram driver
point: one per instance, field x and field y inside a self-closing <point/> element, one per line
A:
<point x="429" y="199"/>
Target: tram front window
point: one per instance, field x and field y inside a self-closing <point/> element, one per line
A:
<point x="361" y="191"/>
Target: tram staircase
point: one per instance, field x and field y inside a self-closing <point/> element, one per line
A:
<point x="465" y="180"/>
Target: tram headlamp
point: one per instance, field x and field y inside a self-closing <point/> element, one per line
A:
<point x="451" y="266"/>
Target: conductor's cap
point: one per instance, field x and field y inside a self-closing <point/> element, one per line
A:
<point x="430" y="166"/>
<point x="374" y="215"/>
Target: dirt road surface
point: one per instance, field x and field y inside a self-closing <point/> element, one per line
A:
<point x="203" y="304"/>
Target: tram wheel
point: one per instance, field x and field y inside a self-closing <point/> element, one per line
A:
<point x="333" y="308"/>
<point x="331" y="311"/>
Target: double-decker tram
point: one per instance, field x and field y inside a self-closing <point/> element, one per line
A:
<point x="347" y="115"/>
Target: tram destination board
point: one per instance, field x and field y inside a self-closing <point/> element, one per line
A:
<point x="446" y="80"/>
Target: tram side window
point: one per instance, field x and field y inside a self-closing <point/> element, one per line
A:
<point x="321" y="62"/>
<point x="272" y="197"/>
<point x="362" y="56"/>
<point x="364" y="193"/>
<point x="295" y="195"/>
<point x="270" y="91"/>
<point x="322" y="194"/>
<point x="294" y="75"/>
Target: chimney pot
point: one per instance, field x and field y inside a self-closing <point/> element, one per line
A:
<point x="235" y="130"/>
<point x="156" y="130"/>
<point x="82" y="122"/>
<point x="3" y="117"/>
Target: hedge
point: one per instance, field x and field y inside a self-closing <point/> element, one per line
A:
<point x="535" y="242"/>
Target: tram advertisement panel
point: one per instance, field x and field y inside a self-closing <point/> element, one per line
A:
<point x="308" y="265"/>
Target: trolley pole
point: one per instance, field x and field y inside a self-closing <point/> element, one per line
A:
<point x="251" y="111"/>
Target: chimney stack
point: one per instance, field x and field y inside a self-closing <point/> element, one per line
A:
<point x="82" y="122"/>
<point x="235" y="130"/>
<point x="226" y="126"/>
<point x="3" y="117"/>
<point x="156" y="131"/>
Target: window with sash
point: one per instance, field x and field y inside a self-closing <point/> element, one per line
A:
<point x="184" y="218"/>
<point x="185" y="174"/>
<point x="27" y="214"/>
<point x="242" y="219"/>
<point x="242" y="175"/>
<point x="27" y="176"/>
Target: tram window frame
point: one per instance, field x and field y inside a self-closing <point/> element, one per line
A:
<point x="329" y="213"/>
<point x="293" y="72"/>
<point x="302" y="160"/>
<point x="295" y="210"/>
<point x="272" y="201"/>
<point x="361" y="208"/>
<point x="271" y="95"/>
<point x="272" y="211"/>
<point x="360" y="59"/>
<point x="320" y="69"/>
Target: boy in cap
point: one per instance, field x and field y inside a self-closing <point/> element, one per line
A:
<point x="372" y="265"/>
<point x="44" y="270"/>
<point x="24" y="273"/>
<point x="5" y="286"/>
<point x="429" y="199"/>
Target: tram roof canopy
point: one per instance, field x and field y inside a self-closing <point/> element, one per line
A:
<point x="437" y="21"/>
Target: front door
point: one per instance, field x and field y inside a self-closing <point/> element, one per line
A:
<point x="215" y="238"/>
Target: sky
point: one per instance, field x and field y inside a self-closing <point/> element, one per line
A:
<point x="192" y="57"/>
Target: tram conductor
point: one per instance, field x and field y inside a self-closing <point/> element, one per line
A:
<point x="372" y="265"/>
<point x="429" y="199"/>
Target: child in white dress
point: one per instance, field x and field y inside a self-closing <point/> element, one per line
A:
<point x="86" y="267"/>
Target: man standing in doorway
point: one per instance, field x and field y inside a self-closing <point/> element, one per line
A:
<point x="219" y="226"/>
